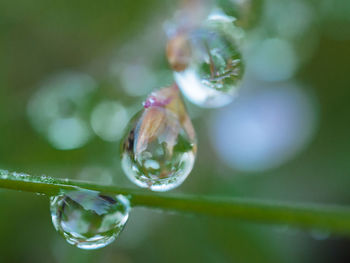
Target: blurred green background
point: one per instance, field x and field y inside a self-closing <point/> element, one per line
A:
<point x="285" y="137"/>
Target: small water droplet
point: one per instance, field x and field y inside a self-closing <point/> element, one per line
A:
<point x="160" y="147"/>
<point x="88" y="219"/>
<point x="206" y="61"/>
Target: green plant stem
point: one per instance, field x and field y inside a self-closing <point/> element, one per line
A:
<point x="324" y="217"/>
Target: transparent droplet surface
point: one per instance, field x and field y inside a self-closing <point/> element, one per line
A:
<point x="207" y="62"/>
<point x="88" y="219"/>
<point x="160" y="146"/>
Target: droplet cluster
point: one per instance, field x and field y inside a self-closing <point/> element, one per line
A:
<point x="159" y="148"/>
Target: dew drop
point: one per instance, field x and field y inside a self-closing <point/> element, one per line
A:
<point x="88" y="219"/>
<point x="206" y="61"/>
<point x="160" y="146"/>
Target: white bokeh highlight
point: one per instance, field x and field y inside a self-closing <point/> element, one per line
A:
<point x="273" y="59"/>
<point x="264" y="128"/>
<point x="57" y="110"/>
<point x="108" y="120"/>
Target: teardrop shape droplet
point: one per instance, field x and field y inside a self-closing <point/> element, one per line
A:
<point x="206" y="61"/>
<point x="88" y="219"/>
<point x="160" y="147"/>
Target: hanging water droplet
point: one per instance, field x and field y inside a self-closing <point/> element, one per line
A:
<point x="206" y="61"/>
<point x="88" y="219"/>
<point x="160" y="147"/>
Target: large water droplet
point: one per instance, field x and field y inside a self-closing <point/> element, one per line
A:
<point x="88" y="219"/>
<point x="206" y="61"/>
<point x="160" y="147"/>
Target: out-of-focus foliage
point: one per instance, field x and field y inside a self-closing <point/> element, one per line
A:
<point x="291" y="116"/>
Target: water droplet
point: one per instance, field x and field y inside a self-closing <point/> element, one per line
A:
<point x="88" y="219"/>
<point x="160" y="147"/>
<point x="206" y="61"/>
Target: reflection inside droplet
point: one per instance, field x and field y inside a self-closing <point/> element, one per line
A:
<point x="88" y="219"/>
<point x="207" y="63"/>
<point x="160" y="145"/>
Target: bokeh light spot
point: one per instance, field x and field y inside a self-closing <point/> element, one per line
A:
<point x="264" y="128"/>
